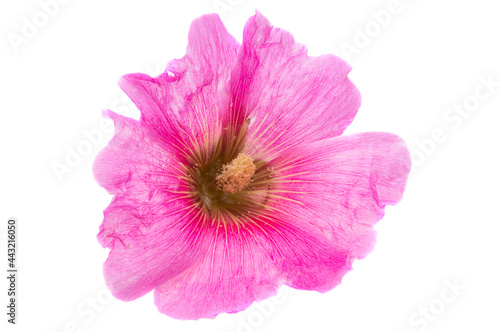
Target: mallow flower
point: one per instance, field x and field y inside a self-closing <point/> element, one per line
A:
<point x="236" y="180"/>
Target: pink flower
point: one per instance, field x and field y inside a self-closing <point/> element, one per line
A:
<point x="236" y="180"/>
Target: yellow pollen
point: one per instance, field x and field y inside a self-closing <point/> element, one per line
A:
<point x="236" y="175"/>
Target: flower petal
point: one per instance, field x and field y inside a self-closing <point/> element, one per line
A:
<point x="183" y="105"/>
<point x="151" y="227"/>
<point x="318" y="220"/>
<point x="246" y="264"/>
<point x="289" y="97"/>
<point x="342" y="185"/>
<point x="234" y="272"/>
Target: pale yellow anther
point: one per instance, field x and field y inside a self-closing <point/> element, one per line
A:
<point x="236" y="175"/>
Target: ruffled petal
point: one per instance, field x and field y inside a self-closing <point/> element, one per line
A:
<point x="287" y="96"/>
<point x="234" y="272"/>
<point x="247" y="264"/>
<point x="183" y="106"/>
<point x="152" y="227"/>
<point x="342" y="185"/>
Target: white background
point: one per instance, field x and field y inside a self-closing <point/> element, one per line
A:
<point x="430" y="57"/>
